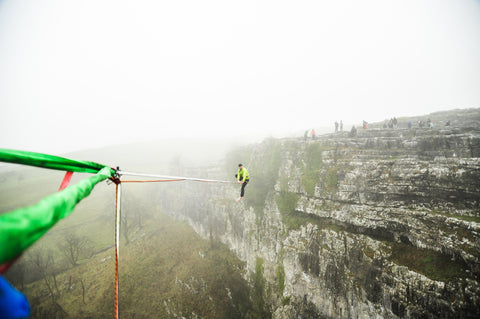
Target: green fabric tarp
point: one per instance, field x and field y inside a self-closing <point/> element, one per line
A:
<point x="50" y="161"/>
<point x="22" y="227"/>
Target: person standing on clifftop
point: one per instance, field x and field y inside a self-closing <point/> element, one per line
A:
<point x="243" y="178"/>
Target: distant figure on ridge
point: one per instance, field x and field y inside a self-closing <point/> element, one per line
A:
<point x="336" y="126"/>
<point x="313" y="134"/>
<point x="353" y="131"/>
<point x="341" y="126"/>
<point x="243" y="178"/>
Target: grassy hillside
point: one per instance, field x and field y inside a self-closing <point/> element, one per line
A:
<point x="165" y="271"/>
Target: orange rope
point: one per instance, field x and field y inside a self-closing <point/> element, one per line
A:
<point x="155" y="181"/>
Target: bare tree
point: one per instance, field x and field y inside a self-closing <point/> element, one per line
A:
<point x="82" y="282"/>
<point x="74" y="247"/>
<point x="78" y="279"/>
<point x="44" y="264"/>
<point x="132" y="216"/>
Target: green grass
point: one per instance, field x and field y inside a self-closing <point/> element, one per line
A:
<point x="311" y="170"/>
<point x="281" y="279"/>
<point x="293" y="219"/>
<point x="475" y="219"/>
<point x="258" y="289"/>
<point x="331" y="180"/>
<point x="287" y="202"/>
<point x="433" y="264"/>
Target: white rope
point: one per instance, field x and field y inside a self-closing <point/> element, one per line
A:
<point x="122" y="173"/>
<point x="117" y="241"/>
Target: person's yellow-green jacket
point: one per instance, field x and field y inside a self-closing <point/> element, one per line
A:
<point x="242" y="174"/>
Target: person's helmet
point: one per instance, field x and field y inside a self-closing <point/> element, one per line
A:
<point x="240" y="165"/>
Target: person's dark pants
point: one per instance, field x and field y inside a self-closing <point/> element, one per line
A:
<point x="242" y="192"/>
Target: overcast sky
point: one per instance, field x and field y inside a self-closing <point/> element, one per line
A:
<point x="82" y="74"/>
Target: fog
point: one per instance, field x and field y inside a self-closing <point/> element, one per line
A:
<point x="78" y="75"/>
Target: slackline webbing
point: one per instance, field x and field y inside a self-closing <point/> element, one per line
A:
<point x="171" y="178"/>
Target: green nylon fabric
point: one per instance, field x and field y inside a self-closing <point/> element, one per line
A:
<point x="50" y="161"/>
<point x="22" y="227"/>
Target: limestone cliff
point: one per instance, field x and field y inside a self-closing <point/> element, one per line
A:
<point x="383" y="224"/>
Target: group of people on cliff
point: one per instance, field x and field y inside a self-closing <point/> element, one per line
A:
<point x="428" y="123"/>
<point x="313" y="134"/>
<point x="393" y="123"/>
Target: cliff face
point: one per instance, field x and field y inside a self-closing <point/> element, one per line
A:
<point x="384" y="224"/>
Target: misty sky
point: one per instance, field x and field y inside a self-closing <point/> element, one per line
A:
<point x="83" y="74"/>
